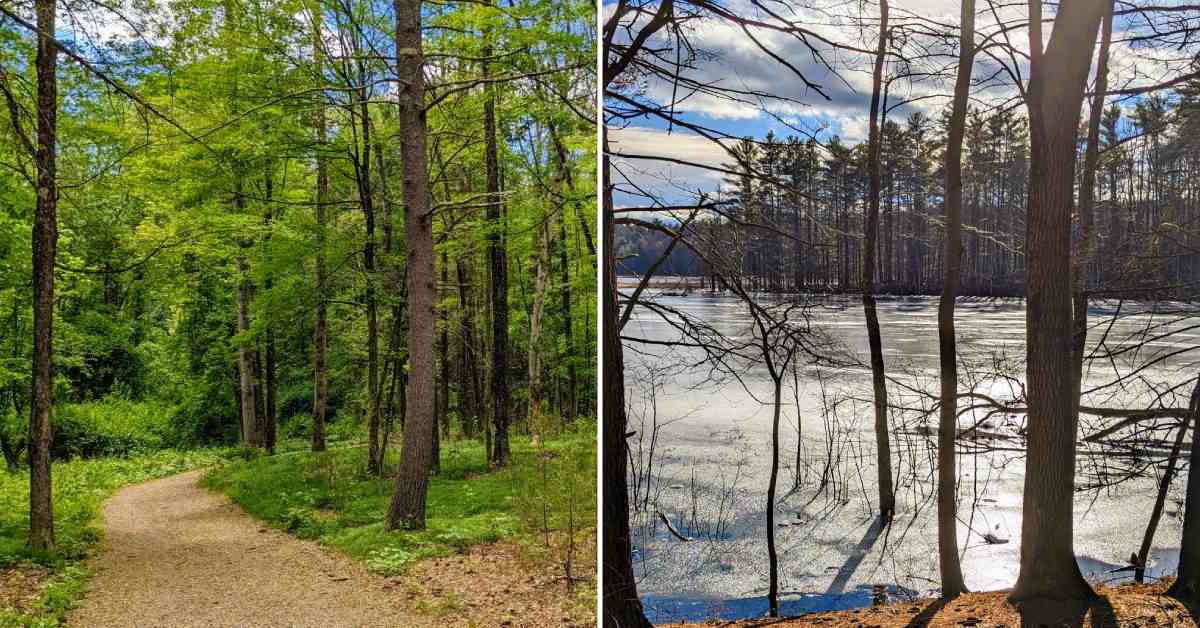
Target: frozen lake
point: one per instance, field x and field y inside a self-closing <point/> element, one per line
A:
<point x="709" y="472"/>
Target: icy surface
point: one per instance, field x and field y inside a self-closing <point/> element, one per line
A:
<point x="712" y="461"/>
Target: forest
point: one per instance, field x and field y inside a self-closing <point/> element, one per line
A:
<point x="340" y="255"/>
<point x="899" y="313"/>
<point x="1145" y="203"/>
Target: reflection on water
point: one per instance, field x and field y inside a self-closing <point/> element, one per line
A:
<point x="676" y="610"/>
<point x="711" y="460"/>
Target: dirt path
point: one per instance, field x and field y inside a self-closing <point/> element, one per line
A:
<point x="178" y="555"/>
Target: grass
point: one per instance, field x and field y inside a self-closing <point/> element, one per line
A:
<point x="80" y="487"/>
<point x="549" y="488"/>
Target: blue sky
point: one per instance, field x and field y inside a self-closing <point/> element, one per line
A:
<point x="736" y="62"/>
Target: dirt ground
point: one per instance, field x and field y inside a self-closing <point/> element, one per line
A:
<point x="1125" y="606"/>
<point x="178" y="555"/>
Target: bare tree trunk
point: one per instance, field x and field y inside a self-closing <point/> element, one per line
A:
<point x="569" y="405"/>
<point x="443" y="400"/>
<point x="542" y="274"/>
<point x="270" y="384"/>
<point x="408" y="502"/>
<point x="1186" y="587"/>
<point x="1087" y="202"/>
<point x="1164" y="485"/>
<point x="247" y="358"/>
<point x="248" y="366"/>
<point x="267" y="420"/>
<point x="471" y="399"/>
<point x="887" y="495"/>
<point x="1055" y="97"/>
<point x="498" y="261"/>
<point x="772" y="555"/>
<point x="621" y="606"/>
<point x="948" y="561"/>
<point x="366" y="198"/>
<point x="321" y="331"/>
<point x="395" y="284"/>
<point x="45" y="244"/>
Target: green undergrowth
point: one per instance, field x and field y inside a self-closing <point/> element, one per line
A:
<point x="80" y="487"/>
<point x="550" y="488"/>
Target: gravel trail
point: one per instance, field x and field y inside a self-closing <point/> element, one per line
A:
<point x="178" y="555"/>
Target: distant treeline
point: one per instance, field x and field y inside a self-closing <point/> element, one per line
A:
<point x="795" y="214"/>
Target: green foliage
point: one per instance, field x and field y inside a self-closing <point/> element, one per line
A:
<point x="111" y="427"/>
<point x="327" y="496"/>
<point x="556" y="489"/>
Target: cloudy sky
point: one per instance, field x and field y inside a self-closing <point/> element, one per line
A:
<point x="731" y="60"/>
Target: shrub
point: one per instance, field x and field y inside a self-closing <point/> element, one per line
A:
<point x="111" y="427"/>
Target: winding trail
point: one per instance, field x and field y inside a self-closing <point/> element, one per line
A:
<point x="178" y="555"/>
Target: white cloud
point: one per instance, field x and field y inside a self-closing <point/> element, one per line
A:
<point x="665" y="178"/>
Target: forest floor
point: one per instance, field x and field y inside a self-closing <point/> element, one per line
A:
<point x="178" y="555"/>
<point x="1123" y="606"/>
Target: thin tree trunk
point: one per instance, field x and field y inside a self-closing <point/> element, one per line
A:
<point x="887" y="495"/>
<point x="569" y="404"/>
<point x="247" y="358"/>
<point x="366" y="199"/>
<point x="1186" y="587"/>
<point x="1087" y="202"/>
<point x="772" y="556"/>
<point x="1048" y="569"/>
<point x="395" y="284"/>
<point x="408" y="502"/>
<point x="45" y="244"/>
<point x="541" y="279"/>
<point x="948" y="560"/>
<point x="270" y="384"/>
<point x="269" y="375"/>
<point x="1164" y="485"/>
<point x="320" y="331"/>
<point x="497" y="256"/>
<point x="248" y="366"/>
<point x="470" y="401"/>
<point x="443" y="401"/>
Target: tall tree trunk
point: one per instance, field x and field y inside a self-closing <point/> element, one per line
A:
<point x="443" y="399"/>
<point x="498" y="261"/>
<point x="268" y="418"/>
<point x="621" y="606"/>
<point x="1087" y="202"/>
<point x="45" y="244"/>
<point x="367" y="200"/>
<point x="395" y="284"/>
<point x="248" y="366"/>
<point x="320" y="330"/>
<point x="947" y="505"/>
<point x="772" y="555"/>
<point x="541" y="279"/>
<point x="408" y="502"/>
<point x="1055" y="98"/>
<point x="569" y="405"/>
<point x="1186" y="587"/>
<point x="246" y="358"/>
<point x="1164" y="485"/>
<point x="887" y="495"/>
<point x="470" y="401"/>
